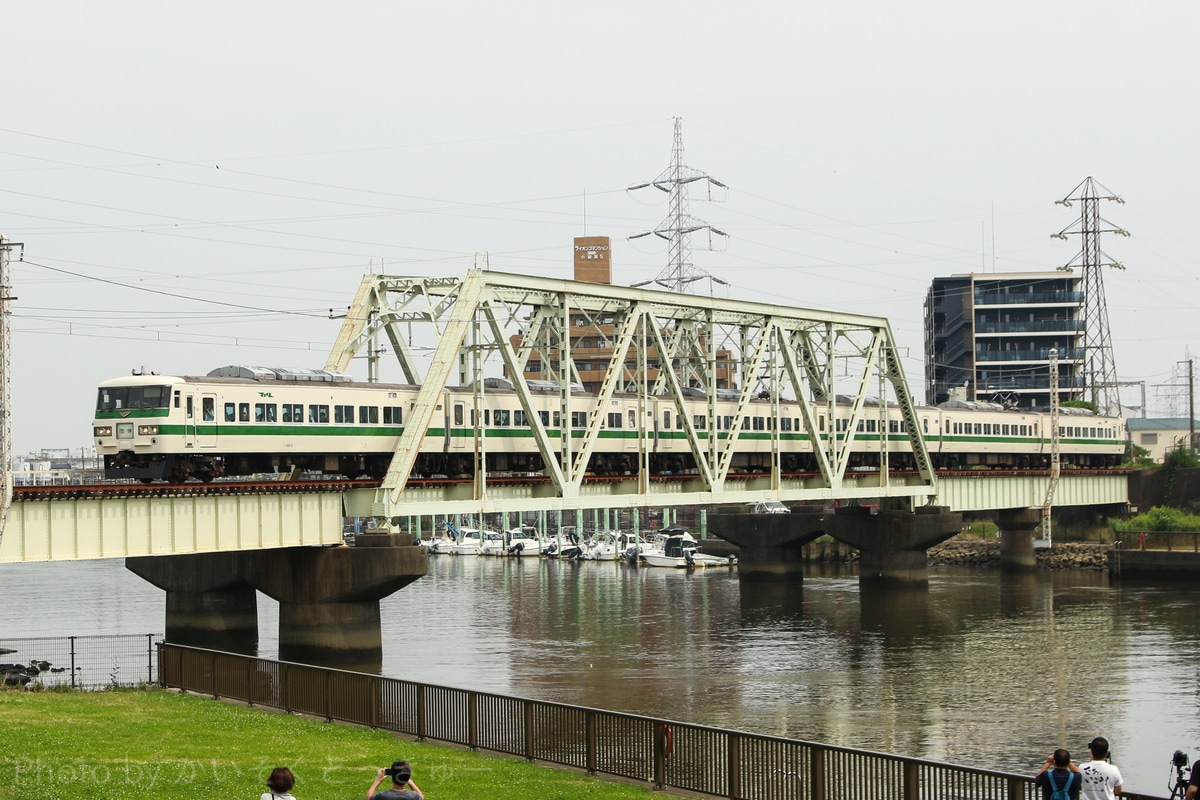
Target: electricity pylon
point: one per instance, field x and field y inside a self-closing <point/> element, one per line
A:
<point x="679" y="225"/>
<point x="1100" y="369"/>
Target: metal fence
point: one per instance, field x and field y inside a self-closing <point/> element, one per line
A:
<point x="667" y="754"/>
<point x="80" y="662"/>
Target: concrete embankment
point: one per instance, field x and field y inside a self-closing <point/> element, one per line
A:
<point x="986" y="553"/>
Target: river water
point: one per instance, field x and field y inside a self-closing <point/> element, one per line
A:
<point x="979" y="668"/>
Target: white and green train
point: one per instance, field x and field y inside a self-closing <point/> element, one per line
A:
<point x="252" y="420"/>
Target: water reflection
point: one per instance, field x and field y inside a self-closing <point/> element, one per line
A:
<point x="977" y="668"/>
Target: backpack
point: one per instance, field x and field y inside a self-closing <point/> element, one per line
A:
<point x="1057" y="793"/>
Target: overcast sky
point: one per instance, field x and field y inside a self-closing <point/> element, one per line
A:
<point x="197" y="184"/>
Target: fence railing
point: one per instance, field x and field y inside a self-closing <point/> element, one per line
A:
<point x="1184" y="541"/>
<point x="668" y="754"/>
<point x="81" y="662"/>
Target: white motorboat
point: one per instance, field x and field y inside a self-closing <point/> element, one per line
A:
<point x="522" y="541"/>
<point x="565" y="544"/>
<point x="467" y="541"/>
<point x="438" y="542"/>
<point x="491" y="543"/>
<point x="612" y="545"/>
<point x="681" y="551"/>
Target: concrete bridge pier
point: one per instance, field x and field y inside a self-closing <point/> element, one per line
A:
<point x="328" y="597"/>
<point x="892" y="544"/>
<point x="770" y="545"/>
<point x="1017" y="526"/>
<point x="209" y="604"/>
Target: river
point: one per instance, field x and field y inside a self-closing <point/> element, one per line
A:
<point x="978" y="668"/>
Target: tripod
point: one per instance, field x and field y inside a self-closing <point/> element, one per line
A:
<point x="1180" y="763"/>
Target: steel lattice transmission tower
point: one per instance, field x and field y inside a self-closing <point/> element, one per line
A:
<point x="679" y="225"/>
<point x="1100" y="369"/>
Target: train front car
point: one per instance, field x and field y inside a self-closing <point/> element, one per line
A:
<point x="139" y="425"/>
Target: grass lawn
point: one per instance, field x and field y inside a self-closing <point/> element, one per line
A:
<point x="156" y="745"/>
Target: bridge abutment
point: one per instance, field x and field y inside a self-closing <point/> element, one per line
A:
<point x="328" y="597"/>
<point x="1016" y="538"/>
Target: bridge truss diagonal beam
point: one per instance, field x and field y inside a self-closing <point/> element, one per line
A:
<point x="665" y="347"/>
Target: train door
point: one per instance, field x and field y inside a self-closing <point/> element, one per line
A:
<point x="458" y="417"/>
<point x="206" y="429"/>
<point x="189" y="420"/>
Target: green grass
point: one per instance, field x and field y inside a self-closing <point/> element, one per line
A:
<point x="154" y="744"/>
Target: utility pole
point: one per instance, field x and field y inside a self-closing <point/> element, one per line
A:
<point x="1100" y="371"/>
<point x="679" y="225"/>
<point x="1191" y="405"/>
<point x="1055" y="455"/>
<point x="6" y="297"/>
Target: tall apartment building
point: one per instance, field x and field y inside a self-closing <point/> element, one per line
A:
<point x="990" y="335"/>
<point x="593" y="338"/>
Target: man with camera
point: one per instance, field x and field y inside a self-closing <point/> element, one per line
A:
<point x="403" y="787"/>
<point x="1101" y="780"/>
<point x="1193" y="785"/>
<point x="1058" y="774"/>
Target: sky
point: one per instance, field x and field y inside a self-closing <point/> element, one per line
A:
<point x="199" y="184"/>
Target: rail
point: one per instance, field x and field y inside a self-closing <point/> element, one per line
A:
<point x="714" y="762"/>
<point x="78" y="662"/>
<point x="1159" y="540"/>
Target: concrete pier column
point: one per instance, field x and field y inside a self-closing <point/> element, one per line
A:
<point x="770" y="546"/>
<point x="208" y="602"/>
<point x="1017" y="526"/>
<point x="329" y="597"/>
<point x="892" y="545"/>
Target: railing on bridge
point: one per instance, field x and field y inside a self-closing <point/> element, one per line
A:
<point x="694" y="758"/>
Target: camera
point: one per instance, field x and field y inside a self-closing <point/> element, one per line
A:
<point x="1180" y="759"/>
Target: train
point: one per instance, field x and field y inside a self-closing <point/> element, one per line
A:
<point x="241" y="421"/>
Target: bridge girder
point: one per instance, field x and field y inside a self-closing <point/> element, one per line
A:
<point x="488" y="319"/>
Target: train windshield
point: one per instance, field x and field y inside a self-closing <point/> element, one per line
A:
<point x="118" y="398"/>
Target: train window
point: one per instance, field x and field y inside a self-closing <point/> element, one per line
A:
<point x="557" y="419"/>
<point x="699" y="421"/>
<point x="544" y="416"/>
<point x="230" y="412"/>
<point x="614" y="419"/>
<point x="870" y="426"/>
<point x="925" y="425"/>
<point x="394" y="415"/>
<point x="343" y="413"/>
<point x="821" y="423"/>
<point x="177" y="398"/>
<point x="859" y="426"/>
<point x="978" y="429"/>
<point x="191" y="409"/>
<point x="666" y="418"/>
<point x="208" y="408"/>
<point x="987" y="429"/>
<point x="243" y="412"/>
<point x="264" y="412"/>
<point x="1004" y="432"/>
<point x="502" y="417"/>
<point x="318" y="414"/>
<point x="759" y="424"/>
<point x="519" y="419"/>
<point x="578" y="419"/>
<point x="785" y="424"/>
<point x="487" y="416"/>
<point x="368" y="414"/>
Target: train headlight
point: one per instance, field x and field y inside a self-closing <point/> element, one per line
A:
<point x="147" y="430"/>
<point x="103" y="430"/>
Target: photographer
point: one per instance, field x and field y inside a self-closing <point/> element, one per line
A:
<point x="1193" y="785"/>
<point x="1101" y="780"/>
<point x="403" y="787"/>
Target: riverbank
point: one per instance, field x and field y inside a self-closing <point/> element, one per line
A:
<point x="151" y="743"/>
<point x="986" y="553"/>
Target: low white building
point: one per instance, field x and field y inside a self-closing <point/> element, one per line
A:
<point x="1160" y="436"/>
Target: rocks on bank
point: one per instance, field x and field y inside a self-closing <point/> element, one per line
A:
<point x="986" y="553"/>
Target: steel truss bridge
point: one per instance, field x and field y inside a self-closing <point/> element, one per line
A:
<point x="456" y="331"/>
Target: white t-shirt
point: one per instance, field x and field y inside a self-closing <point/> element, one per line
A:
<point x="273" y="796"/>
<point x="1099" y="780"/>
